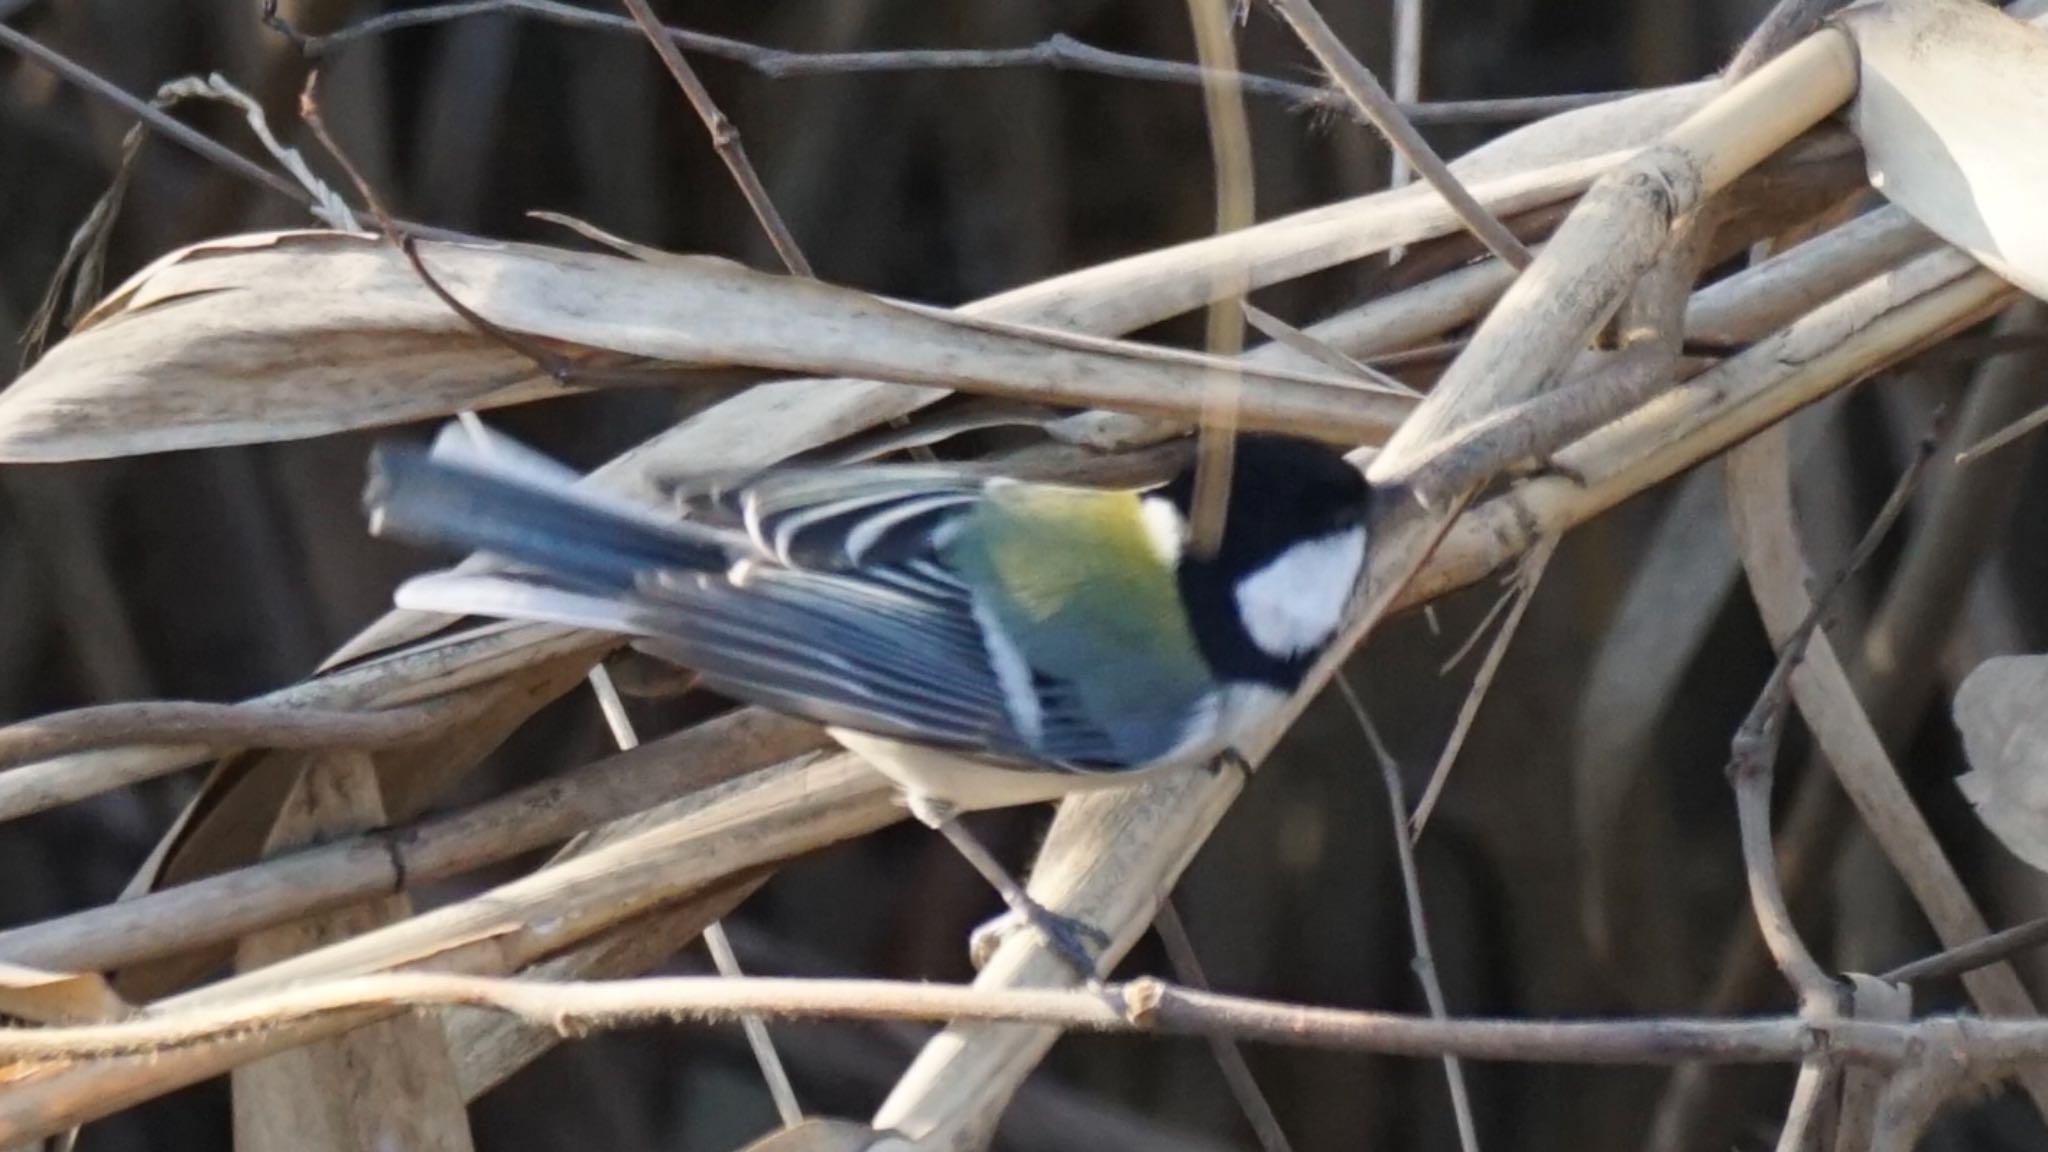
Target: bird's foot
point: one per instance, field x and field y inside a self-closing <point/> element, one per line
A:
<point x="1550" y="466"/>
<point x="1230" y="757"/>
<point x="1075" y="941"/>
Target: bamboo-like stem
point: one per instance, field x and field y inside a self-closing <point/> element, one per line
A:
<point x="715" y="836"/>
<point x="1812" y="1092"/>
<point x="1933" y="1072"/>
<point x="438" y="677"/>
<point x="287" y="886"/>
<point x="216" y="728"/>
<point x="1614" y="235"/>
<point x="1230" y="148"/>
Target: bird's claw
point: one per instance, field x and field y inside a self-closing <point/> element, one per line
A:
<point x="1075" y="941"/>
<point x="1551" y="466"/>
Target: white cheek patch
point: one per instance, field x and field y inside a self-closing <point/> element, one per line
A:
<point x="1165" y="528"/>
<point x="1296" y="602"/>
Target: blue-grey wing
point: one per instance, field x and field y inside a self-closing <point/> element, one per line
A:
<point x="870" y="656"/>
<point x="865" y="628"/>
<point x="840" y="650"/>
<point x="872" y="518"/>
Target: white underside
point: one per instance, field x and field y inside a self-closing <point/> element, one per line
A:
<point x="964" y="784"/>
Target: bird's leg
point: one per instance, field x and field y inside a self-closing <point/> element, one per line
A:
<point x="1070" y="938"/>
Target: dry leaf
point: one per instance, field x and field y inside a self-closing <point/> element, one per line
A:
<point x="295" y="334"/>
<point x="2002" y="710"/>
<point x="1951" y="110"/>
<point x="57" y="997"/>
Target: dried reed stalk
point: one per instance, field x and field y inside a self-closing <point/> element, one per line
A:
<point x="1111" y="856"/>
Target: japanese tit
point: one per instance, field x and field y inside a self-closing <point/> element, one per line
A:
<point x="984" y="642"/>
<point x="1057" y="637"/>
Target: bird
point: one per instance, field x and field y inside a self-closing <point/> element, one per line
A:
<point x="983" y="641"/>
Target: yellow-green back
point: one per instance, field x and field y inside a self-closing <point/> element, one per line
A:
<point x="1076" y="582"/>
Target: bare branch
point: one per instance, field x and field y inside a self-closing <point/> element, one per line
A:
<point x="1358" y="83"/>
<point x="1418" y="922"/>
<point x="95" y="85"/>
<point x="725" y="138"/>
<point x="1754" y="751"/>
<point x="1528" y="578"/>
<point x="1144" y="1005"/>
<point x="1968" y="958"/>
<point x="1251" y="1099"/>
<point x="1058" y="52"/>
<point x="759" y="1042"/>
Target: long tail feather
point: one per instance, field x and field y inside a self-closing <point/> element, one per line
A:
<point x="523" y="512"/>
<point x="509" y="598"/>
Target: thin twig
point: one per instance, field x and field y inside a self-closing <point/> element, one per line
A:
<point x="1229" y="126"/>
<point x="773" y="1073"/>
<point x="1750" y="774"/>
<point x="1894" y="677"/>
<point x="1358" y="83"/>
<point x="405" y="238"/>
<point x="1511" y="590"/>
<point x="1407" y="75"/>
<point x="1534" y="563"/>
<point x="2004" y="436"/>
<point x="1753" y="752"/>
<point x="172" y="129"/>
<point x="1237" y="1074"/>
<point x="1144" y="1005"/>
<point x="1059" y="52"/>
<point x="1418" y="922"/>
<point x="1322" y="352"/>
<point x="1972" y="956"/>
<point x="725" y="138"/>
<point x="397" y="237"/>
<point x="205" y="147"/>
<point x="194" y="723"/>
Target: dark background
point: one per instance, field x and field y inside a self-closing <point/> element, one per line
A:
<point x="221" y="574"/>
